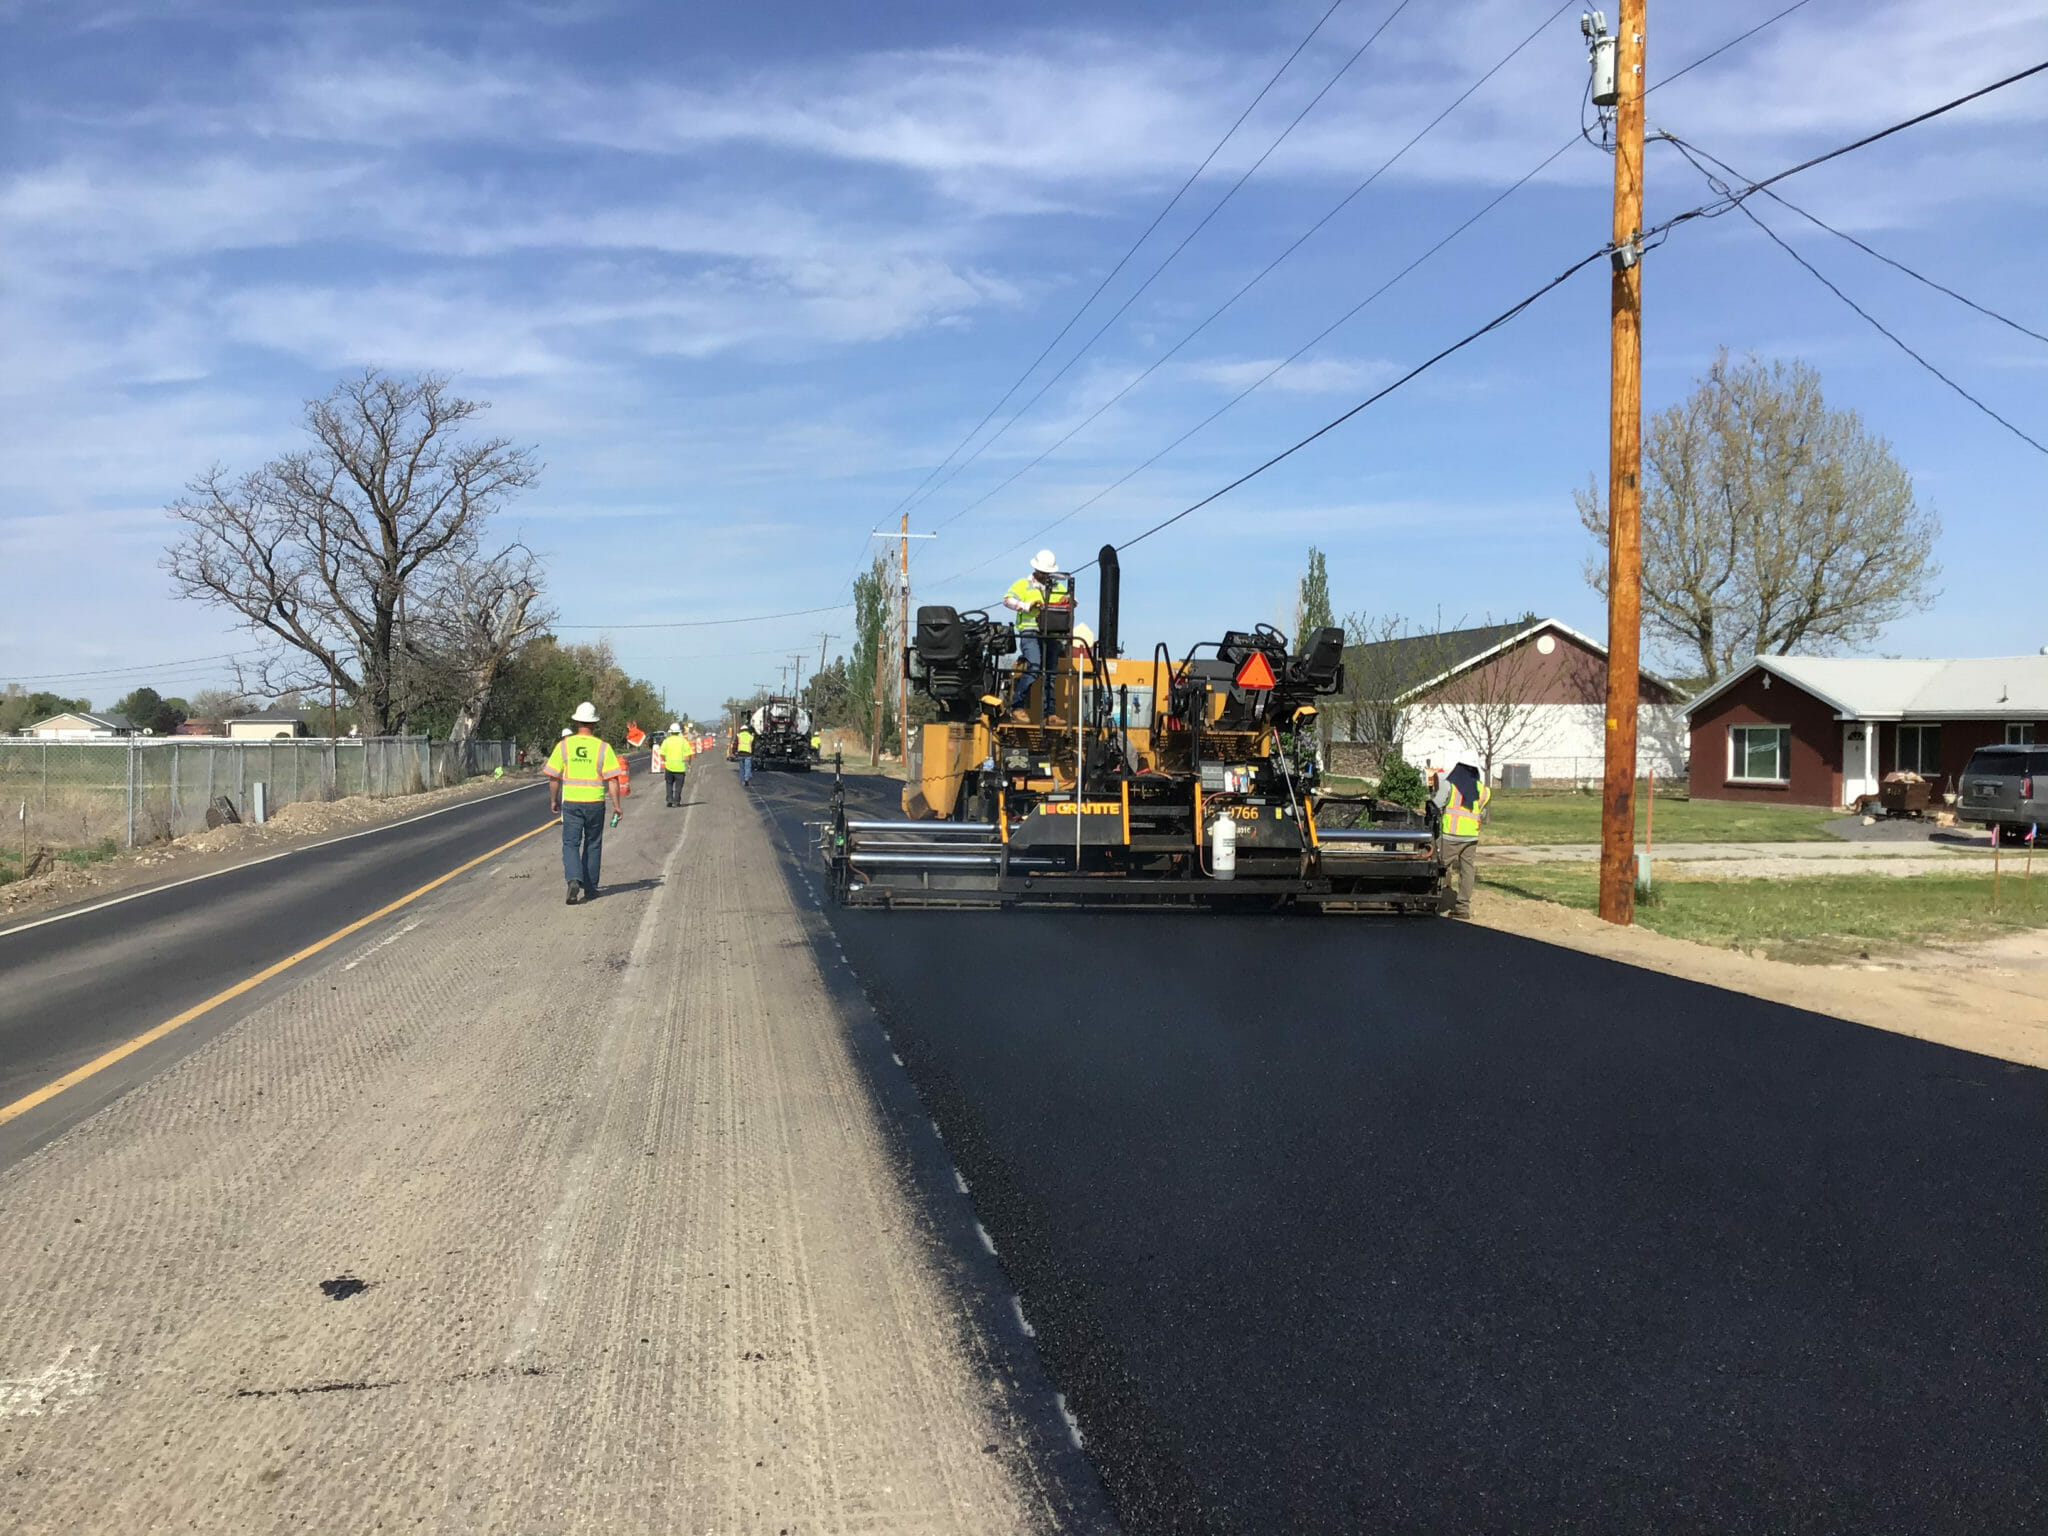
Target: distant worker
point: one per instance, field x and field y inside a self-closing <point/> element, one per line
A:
<point x="582" y="772"/>
<point x="1027" y="595"/>
<point x="743" y="748"/>
<point x="817" y="744"/>
<point x="676" y="753"/>
<point x="1457" y="802"/>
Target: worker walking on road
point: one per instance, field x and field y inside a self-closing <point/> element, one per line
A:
<point x="1027" y="595"/>
<point x="676" y="753"/>
<point x="582" y="772"/>
<point x="743" y="745"/>
<point x="1458" y="800"/>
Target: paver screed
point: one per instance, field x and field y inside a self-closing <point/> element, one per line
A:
<point x="512" y="1217"/>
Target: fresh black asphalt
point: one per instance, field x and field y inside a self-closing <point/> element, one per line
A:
<point x="1340" y="1224"/>
<point x="77" y="987"/>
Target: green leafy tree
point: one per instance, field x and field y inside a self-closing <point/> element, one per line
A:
<point x="20" y="709"/>
<point x="1312" y="605"/>
<point x="870" y="666"/>
<point x="147" y="710"/>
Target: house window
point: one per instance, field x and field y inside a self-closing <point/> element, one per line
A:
<point x="2019" y="734"/>
<point x="1920" y="749"/>
<point x="1760" y="754"/>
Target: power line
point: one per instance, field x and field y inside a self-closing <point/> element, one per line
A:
<point x="1720" y="205"/>
<point x="751" y="618"/>
<point x="1230" y="404"/>
<point x="139" y="667"/>
<point x="1267" y="270"/>
<point x="1139" y="291"/>
<point x="1741" y="37"/>
<point x="1124" y="260"/>
<point x="1877" y="325"/>
<point x="1266" y="377"/>
<point x="1785" y="203"/>
<point x="1723" y="204"/>
<point x="1330" y="426"/>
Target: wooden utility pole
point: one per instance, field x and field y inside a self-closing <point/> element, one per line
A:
<point x="903" y="644"/>
<point x="1624" y="490"/>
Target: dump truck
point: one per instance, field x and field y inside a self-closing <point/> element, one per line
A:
<point x="1150" y="780"/>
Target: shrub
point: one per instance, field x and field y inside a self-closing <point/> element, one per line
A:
<point x="1402" y="782"/>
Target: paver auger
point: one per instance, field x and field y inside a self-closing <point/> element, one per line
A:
<point x="1148" y="781"/>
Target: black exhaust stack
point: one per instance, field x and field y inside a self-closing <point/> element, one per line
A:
<point x="1107" y="614"/>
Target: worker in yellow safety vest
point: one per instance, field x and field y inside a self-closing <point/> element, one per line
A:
<point x="676" y="753"/>
<point x="743" y="744"/>
<point x="582" y="772"/>
<point x="1043" y="586"/>
<point x="1457" y="805"/>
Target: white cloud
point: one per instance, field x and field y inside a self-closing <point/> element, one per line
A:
<point x="1312" y="376"/>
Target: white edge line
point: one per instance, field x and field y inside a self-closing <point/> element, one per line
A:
<point x="172" y="885"/>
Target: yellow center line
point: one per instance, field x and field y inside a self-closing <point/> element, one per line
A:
<point x="72" y="1079"/>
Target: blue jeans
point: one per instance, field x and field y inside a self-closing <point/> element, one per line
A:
<point x="582" y="841"/>
<point x="1031" y="648"/>
<point x="746" y="767"/>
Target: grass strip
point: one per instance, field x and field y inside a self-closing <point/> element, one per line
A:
<point x="1820" y="918"/>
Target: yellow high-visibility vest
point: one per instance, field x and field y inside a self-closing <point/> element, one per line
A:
<point x="1460" y="819"/>
<point x="746" y="741"/>
<point x="1031" y="596"/>
<point x="583" y="765"/>
<point x="676" y="752"/>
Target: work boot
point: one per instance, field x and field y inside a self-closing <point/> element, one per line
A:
<point x="575" y="892"/>
<point x="1021" y="716"/>
<point x="1054" y="720"/>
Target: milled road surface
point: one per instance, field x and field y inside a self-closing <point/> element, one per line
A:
<point x="1329" y="1224"/>
<point x="525" y="1218"/>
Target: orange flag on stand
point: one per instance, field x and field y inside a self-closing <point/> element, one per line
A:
<point x="634" y="735"/>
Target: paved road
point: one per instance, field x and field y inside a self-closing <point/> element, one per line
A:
<point x="1339" y="1225"/>
<point x="82" y="985"/>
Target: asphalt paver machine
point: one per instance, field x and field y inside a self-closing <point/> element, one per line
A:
<point x="1133" y="780"/>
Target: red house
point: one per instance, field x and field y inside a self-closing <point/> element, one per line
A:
<point x="1824" y="730"/>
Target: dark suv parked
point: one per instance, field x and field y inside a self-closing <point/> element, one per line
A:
<point x="2005" y="788"/>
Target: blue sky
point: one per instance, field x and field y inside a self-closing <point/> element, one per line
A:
<point x="743" y="275"/>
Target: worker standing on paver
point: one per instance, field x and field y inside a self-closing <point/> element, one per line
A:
<point x="743" y="747"/>
<point x="582" y="772"/>
<point x="1457" y="801"/>
<point x="676" y="753"/>
<point x="1026" y="596"/>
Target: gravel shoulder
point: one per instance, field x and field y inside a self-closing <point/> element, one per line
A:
<point x="1991" y="998"/>
<point x="516" y="1217"/>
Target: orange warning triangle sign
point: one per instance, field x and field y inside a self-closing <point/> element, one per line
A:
<point x="1256" y="672"/>
<point x="634" y="735"/>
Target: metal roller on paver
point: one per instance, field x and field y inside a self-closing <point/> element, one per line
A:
<point x="1130" y="781"/>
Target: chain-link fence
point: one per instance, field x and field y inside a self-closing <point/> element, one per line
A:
<point x="87" y="794"/>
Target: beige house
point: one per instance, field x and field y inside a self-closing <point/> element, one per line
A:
<point x="267" y="726"/>
<point x="80" y="726"/>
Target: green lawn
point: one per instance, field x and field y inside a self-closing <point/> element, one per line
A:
<point x="1534" y="816"/>
<point x="1816" y="918"/>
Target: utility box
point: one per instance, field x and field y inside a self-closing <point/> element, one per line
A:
<point x="1512" y="776"/>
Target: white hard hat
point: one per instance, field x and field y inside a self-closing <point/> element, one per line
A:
<point x="675" y="727"/>
<point x="566" y="731"/>
<point x="586" y="713"/>
<point x="1044" y="561"/>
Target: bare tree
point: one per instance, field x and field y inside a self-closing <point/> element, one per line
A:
<point x="1485" y="706"/>
<point x="330" y="551"/>
<point x="1375" y="677"/>
<point x="478" y="614"/>
<point x="1770" y="523"/>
